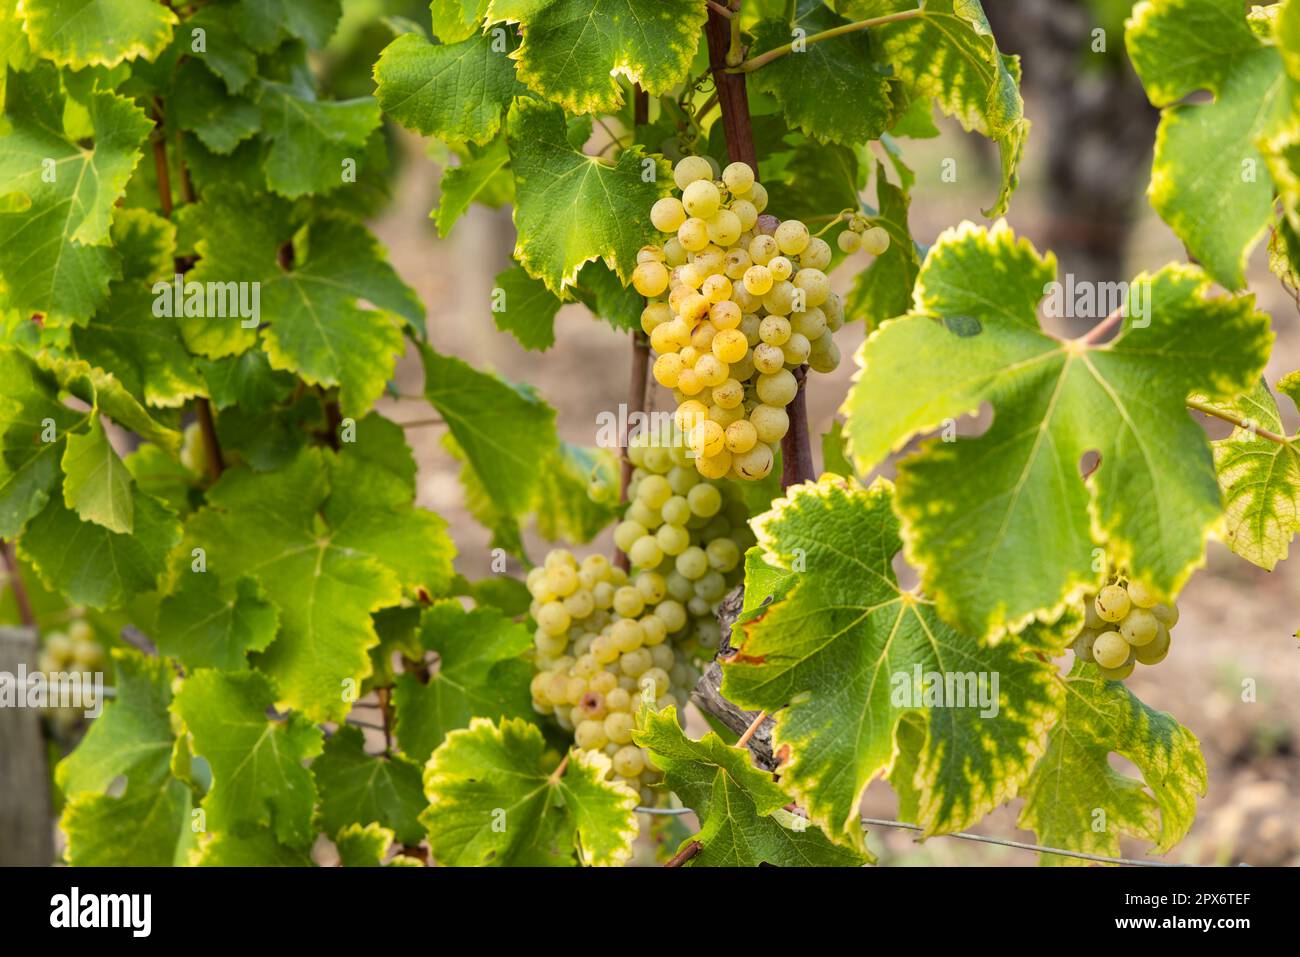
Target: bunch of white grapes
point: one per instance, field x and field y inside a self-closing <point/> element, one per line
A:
<point x="738" y="302"/>
<point x="1125" y="623"/>
<point x="67" y="652"/>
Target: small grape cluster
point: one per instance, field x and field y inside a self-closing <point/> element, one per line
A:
<point x="739" y="301"/>
<point x="607" y="640"/>
<point x="66" y="652"/>
<point x="1125" y="623"/>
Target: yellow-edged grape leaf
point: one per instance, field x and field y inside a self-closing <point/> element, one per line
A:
<point x="312" y="320"/>
<point x="1076" y="801"/>
<point x="573" y="50"/>
<point x="148" y="822"/>
<point x="57" y="199"/>
<point x="259" y="776"/>
<point x="250" y="847"/>
<point x="455" y="20"/>
<point x="1003" y="526"/>
<point x="571" y="208"/>
<point x="834" y="91"/>
<point x="504" y="430"/>
<point x="495" y="799"/>
<point x="359" y="789"/>
<point x="366" y="846"/>
<point x="102" y="390"/>
<point x="1208" y="180"/>
<point x="743" y="821"/>
<point x="455" y="91"/>
<point x="15" y="44"/>
<point x="845" y="654"/>
<point x="1260" y="477"/>
<point x="33" y="428"/>
<point x="481" y="674"/>
<point x="201" y="627"/>
<point x="578" y="494"/>
<point x="96" y="485"/>
<point x="79" y="33"/>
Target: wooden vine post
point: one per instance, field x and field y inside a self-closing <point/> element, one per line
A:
<point x="796" y="447"/>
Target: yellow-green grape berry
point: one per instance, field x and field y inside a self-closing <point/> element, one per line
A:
<point x="746" y="212"/>
<point x="628" y="635"/>
<point x="781" y="268"/>
<point x="849" y="241"/>
<point x="1083" y="645"/>
<point x="811" y="323"/>
<point x="705" y="500"/>
<point x="553" y="619"/>
<point x="741" y="436"/>
<point x="667" y="368"/>
<point x="1156" y="650"/>
<point x="824" y="354"/>
<point x="655" y="631"/>
<point x="1112" y="603"/>
<point x="618" y="726"/>
<point x="628" y="600"/>
<point x="689" y="169"/>
<point x="875" y="240"/>
<point x="672" y="539"/>
<point x="677" y="510"/>
<point x="1120" y="673"/>
<point x="60" y="646"/>
<point x="672" y="614"/>
<point x="628" y="762"/>
<point x="817" y="255"/>
<point x="1110" y="650"/>
<point x="792" y="237"/>
<point x="663" y="655"/>
<point x="580" y="604"/>
<point x="701" y="198"/>
<point x="693" y="234"/>
<point x="770" y="422"/>
<point x="725" y="227"/>
<point x="758" y="196"/>
<point x="692" y="563"/>
<point x="626" y="534"/>
<point x="767" y="357"/>
<point x="778" y="388"/>
<point x="774" y="330"/>
<point x="1166" y="614"/>
<point x="563" y="579"/>
<point x="667" y="214"/>
<point x="780" y="299"/>
<point x="646" y="552"/>
<point x="1139" y="627"/>
<point x="655" y="680"/>
<point x="586" y="667"/>
<point x="81" y="630"/>
<point x="603" y="594"/>
<point x="1090" y="617"/>
<point x="796" y="350"/>
<point x="617" y="698"/>
<point x="723" y="554"/>
<point x="653" y="491"/>
<point x="1141" y="595"/>
<point x="716" y="289"/>
<point x="761" y="250"/>
<point x="739" y="177"/>
<point x="758" y="280"/>
<point x="711" y="586"/>
<point x="816" y="286"/>
<point x="590" y="735"/>
<point x="652" y="587"/>
<point x="674" y="253"/>
<point x="635" y="663"/>
<point x="650" y="278"/>
<point x="730" y="346"/>
<point x="755" y="464"/>
<point x="604" y="650"/>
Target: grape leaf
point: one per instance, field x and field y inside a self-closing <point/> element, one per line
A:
<point x="90" y="565"/>
<point x="202" y="628"/>
<point x="527" y="309"/>
<point x="457" y="91"/>
<point x="601" y="291"/>
<point x="571" y="208"/>
<point x="15" y="46"/>
<point x="496" y="799"/>
<point x="833" y="90"/>
<point x="329" y="545"/>
<point x="741" y="810"/>
<point x="59" y="196"/>
<point x="311" y="141"/>
<point x="1002" y="526"/>
<point x="225" y="55"/>
<point x="847" y="648"/>
<point x="258" y="776"/>
<point x="148" y="823"/>
<point x="1260" y="477"/>
<point x="29" y="465"/>
<point x="246" y="379"/>
<point x="463" y="184"/>
<point x="1204" y="152"/>
<point x="573" y="49"/>
<point x="884" y="289"/>
<point x="96" y="485"/>
<point x="504" y="430"/>
<point x="360" y="789"/>
<point x="1074" y="781"/>
<point x="578" y="493"/>
<point x="454" y="20"/>
<point x="480" y="674"/>
<point x="364" y="846"/>
<point x="202" y="104"/>
<point x="102" y="390"/>
<point x="263" y="23"/>
<point x="948" y="55"/>
<point x="312" y="319"/>
<point x="251" y="847"/>
<point x="79" y="33"/>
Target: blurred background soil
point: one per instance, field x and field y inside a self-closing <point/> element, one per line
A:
<point x="1081" y="194"/>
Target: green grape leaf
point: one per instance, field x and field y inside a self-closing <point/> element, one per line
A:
<point x="884" y="289"/>
<point x="246" y="379"/>
<point x="364" y="846"/>
<point x="90" y="565"/>
<point x="495" y="798"/>
<point x="33" y="427"/>
<point x="15" y="45"/>
<point x="504" y="430"/>
<point x="250" y="847"/>
<point x="578" y="493"/>
<point x="833" y="90"/>
<point x="1003" y="526"/>
<point x="96" y="485"/>
<point x="361" y="789"/>
<point x="948" y="55"/>
<point x="258" y="773"/>
<point x="202" y="628"/>
<point x="225" y="55"/>
<point x="329" y="544"/>
<point x="59" y="196"/>
<point x="1204" y="152"/>
<point x="847" y="648"/>
<point x="1260" y="477"/>
<point x="79" y="33"/>
<point x="105" y="392"/>
<point x="1073" y="787"/>
<point x="202" y="104"/>
<point x="818" y="178"/>
<point x="264" y="23"/>
<point x="457" y="91"/>
<point x="312" y="141"/>
<point x="601" y="291"/>
<point x="571" y="208"/>
<point x="456" y="20"/>
<point x="834" y="457"/>
<point x="573" y="49"/>
<point x="476" y="175"/>
<point x="525" y="308"/>
<point x="312" y="319"/>
<point x="148" y="821"/>
<point x="743" y="822"/>
<point x="481" y="674"/>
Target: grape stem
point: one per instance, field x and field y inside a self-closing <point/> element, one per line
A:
<point x="21" y="599"/>
<point x="1238" y="421"/>
<point x="718" y="8"/>
<point x="754" y="63"/>
<point x="685" y="854"/>
<point x="559" y="768"/>
<point x="753" y="727"/>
